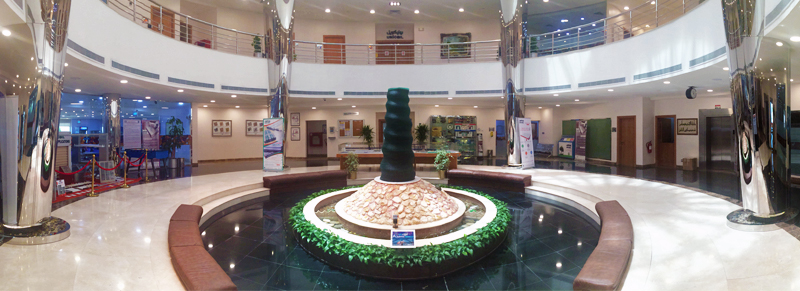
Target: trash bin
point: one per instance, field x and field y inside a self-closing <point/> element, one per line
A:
<point x="689" y="164"/>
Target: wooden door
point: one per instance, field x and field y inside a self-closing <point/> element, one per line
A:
<point x="381" y="123"/>
<point x="665" y="142"/>
<point x="333" y="53"/>
<point x="165" y="18"/>
<point x="626" y="141"/>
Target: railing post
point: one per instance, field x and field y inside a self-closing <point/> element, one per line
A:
<point x="448" y="53"/>
<point x="368" y="62"/>
<point x="161" y="19"/>
<point x="656" y="13"/>
<point x="421" y="54"/>
<point x="630" y="21"/>
<point x="236" y="41"/>
<point x="134" y="11"/>
<point x="578" y="44"/>
<point x="395" y="54"/>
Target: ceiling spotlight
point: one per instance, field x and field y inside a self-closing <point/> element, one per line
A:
<point x="545" y="1"/>
<point x="147" y="97"/>
<point x="460" y="9"/>
<point x="725" y="68"/>
<point x="576" y="100"/>
<point x="66" y="64"/>
<point x="394" y="3"/>
<point x="610" y="90"/>
<point x="180" y="90"/>
<point x="327" y="10"/>
<point x="237" y="106"/>
<point x="476" y="106"/>
<point x="31" y="59"/>
<point x="6" y="32"/>
<point x="233" y="96"/>
<point x="353" y="106"/>
<point x="666" y="82"/>
<point x="779" y="43"/>
<point x="313" y="108"/>
<point x="205" y="105"/>
<point x="710" y="90"/>
<point x="555" y="95"/>
<point x="144" y="106"/>
<point x="652" y="2"/>
<point x="540" y="107"/>
<point x="180" y="103"/>
<point x="564" y="20"/>
<point x="435" y="105"/>
<point x="340" y="99"/>
<point x="795" y="38"/>
<point x="124" y="81"/>
<point x="449" y="98"/>
<point x="372" y="11"/>
<point x="78" y="90"/>
<point x="212" y="101"/>
<point x="558" y="105"/>
<point x="626" y="8"/>
<point x="416" y="11"/>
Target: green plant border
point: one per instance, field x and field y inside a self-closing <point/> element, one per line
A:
<point x="334" y="245"/>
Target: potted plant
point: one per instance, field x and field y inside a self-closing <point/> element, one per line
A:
<point x="368" y="135"/>
<point x="421" y="134"/>
<point x="256" y="46"/>
<point x="352" y="165"/>
<point x="442" y="162"/>
<point x="174" y="140"/>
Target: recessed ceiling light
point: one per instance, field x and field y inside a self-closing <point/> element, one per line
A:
<point x="779" y="43"/>
<point x="66" y="64"/>
<point x="460" y="9"/>
<point x="327" y="10"/>
<point x="233" y="96"/>
<point x="212" y="101"/>
<point x="353" y="106"/>
<point x="237" y="106"/>
<point x="652" y="2"/>
<point x="555" y="95"/>
<point x="77" y="90"/>
<point x="449" y="98"/>
<point x="435" y="105"/>
<point x="725" y="68"/>
<point x="545" y="1"/>
<point x="626" y="8"/>
<point x="710" y="90"/>
<point x="313" y="108"/>
<point x="146" y="97"/>
<point x="558" y="105"/>
<point x="180" y="90"/>
<point x="416" y="11"/>
<point x="564" y="20"/>
<point x="180" y="103"/>
<point x="795" y="38"/>
<point x="144" y="106"/>
<point x="124" y="81"/>
<point x="205" y="105"/>
<point x="540" y="107"/>
<point x="576" y="100"/>
<point x="476" y="106"/>
<point x="6" y="32"/>
<point x="31" y="59"/>
<point x="666" y="82"/>
<point x="372" y="11"/>
<point x="340" y="99"/>
<point x="581" y="18"/>
<point x="394" y="3"/>
<point x="610" y="90"/>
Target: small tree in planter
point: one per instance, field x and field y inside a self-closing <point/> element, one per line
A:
<point x="352" y="165"/>
<point x="256" y="46"/>
<point x="368" y="135"/>
<point x="442" y="162"/>
<point x="174" y="139"/>
<point x="421" y="134"/>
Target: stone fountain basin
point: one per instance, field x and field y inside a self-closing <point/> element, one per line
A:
<point x="309" y="211"/>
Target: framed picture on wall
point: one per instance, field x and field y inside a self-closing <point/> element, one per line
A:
<point x="222" y="128"/>
<point x="687" y="126"/>
<point x="295" y="133"/>
<point x="295" y="119"/>
<point x="456" y="51"/>
<point x="254" y="128"/>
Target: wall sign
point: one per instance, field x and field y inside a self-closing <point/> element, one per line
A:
<point x="273" y="144"/>
<point x="403" y="238"/>
<point x="295" y="133"/>
<point x="295" y="118"/>
<point x="525" y="140"/>
<point x="132" y="139"/>
<point x="394" y="31"/>
<point x="687" y="126"/>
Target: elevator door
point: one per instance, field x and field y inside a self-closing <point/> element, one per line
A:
<point x="719" y="141"/>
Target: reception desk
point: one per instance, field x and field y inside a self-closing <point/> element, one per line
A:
<point x="376" y="158"/>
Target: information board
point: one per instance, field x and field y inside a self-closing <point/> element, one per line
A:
<point x="273" y="144"/>
<point x="151" y="134"/>
<point x="132" y="133"/>
<point x="403" y="238"/>
<point x="525" y="140"/>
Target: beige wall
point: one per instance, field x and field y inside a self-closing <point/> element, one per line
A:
<point x="200" y="11"/>
<point x="238" y="146"/>
<point x="247" y="21"/>
<point x="364" y="32"/>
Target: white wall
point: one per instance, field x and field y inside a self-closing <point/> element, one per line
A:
<point x="200" y="11"/>
<point x="422" y="113"/>
<point x="688" y="146"/>
<point x="238" y="146"/>
<point x="357" y="32"/>
<point x="246" y="21"/>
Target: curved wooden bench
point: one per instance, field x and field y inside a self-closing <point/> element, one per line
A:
<point x="608" y="263"/>
<point x="283" y="186"/>
<point x="496" y="180"/>
<point x="195" y="267"/>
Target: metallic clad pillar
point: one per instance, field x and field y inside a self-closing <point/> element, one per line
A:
<point x="760" y="97"/>
<point x="112" y="124"/>
<point x="39" y="116"/>
<point x="280" y="22"/>
<point x="512" y="39"/>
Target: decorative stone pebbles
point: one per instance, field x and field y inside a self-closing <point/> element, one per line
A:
<point x="415" y="203"/>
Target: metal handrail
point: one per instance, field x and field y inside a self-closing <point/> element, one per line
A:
<point x="396" y="54"/>
<point x="636" y="21"/>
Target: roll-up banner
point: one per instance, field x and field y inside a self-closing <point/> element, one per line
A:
<point x="525" y="140"/>
<point x="581" y="127"/>
<point x="273" y="144"/>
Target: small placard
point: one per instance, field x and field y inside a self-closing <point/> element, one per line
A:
<point x="403" y="238"/>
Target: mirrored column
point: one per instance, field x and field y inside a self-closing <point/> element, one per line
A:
<point x="280" y="23"/>
<point x="513" y="15"/>
<point x="759" y="70"/>
<point x="112" y="124"/>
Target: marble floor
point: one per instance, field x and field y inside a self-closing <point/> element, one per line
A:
<point x="682" y="242"/>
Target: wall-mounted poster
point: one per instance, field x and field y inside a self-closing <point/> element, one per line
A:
<point x="295" y="119"/>
<point x="273" y="144"/>
<point x="255" y="128"/>
<point x="456" y="51"/>
<point x="132" y="139"/>
<point x="221" y="128"/>
<point x="151" y="134"/>
<point x="295" y="133"/>
<point x="687" y="126"/>
<point x="350" y="127"/>
<point x="525" y="138"/>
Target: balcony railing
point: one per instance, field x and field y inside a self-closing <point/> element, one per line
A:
<point x="395" y="54"/>
<point x="638" y="20"/>
<point x="185" y="28"/>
